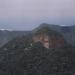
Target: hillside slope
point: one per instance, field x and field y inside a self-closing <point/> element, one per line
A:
<point x="6" y="35"/>
<point x="49" y="38"/>
<point x="37" y="61"/>
<point x="68" y="32"/>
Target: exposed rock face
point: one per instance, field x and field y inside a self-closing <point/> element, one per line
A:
<point x="49" y="38"/>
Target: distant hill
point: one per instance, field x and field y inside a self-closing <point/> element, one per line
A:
<point x="68" y="33"/>
<point x="6" y="35"/>
<point x="45" y="35"/>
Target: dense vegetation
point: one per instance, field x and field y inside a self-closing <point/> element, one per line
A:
<point x="18" y="57"/>
<point x="38" y="61"/>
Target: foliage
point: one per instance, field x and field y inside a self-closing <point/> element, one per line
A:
<point x="38" y="61"/>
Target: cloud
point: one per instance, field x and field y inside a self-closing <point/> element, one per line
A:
<point x="29" y="12"/>
<point x="36" y="8"/>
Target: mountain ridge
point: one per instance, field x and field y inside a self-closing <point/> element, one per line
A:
<point x="66" y="31"/>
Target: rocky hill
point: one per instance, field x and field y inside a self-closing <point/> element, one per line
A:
<point x="66" y="31"/>
<point x="49" y="39"/>
<point x="43" y="52"/>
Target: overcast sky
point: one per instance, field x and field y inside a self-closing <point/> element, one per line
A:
<point x="27" y="14"/>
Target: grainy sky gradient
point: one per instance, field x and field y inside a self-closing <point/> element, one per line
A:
<point x="27" y="14"/>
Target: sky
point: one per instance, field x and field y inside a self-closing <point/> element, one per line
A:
<point x="28" y="14"/>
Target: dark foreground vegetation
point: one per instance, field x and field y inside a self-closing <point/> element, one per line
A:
<point x="38" y="61"/>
